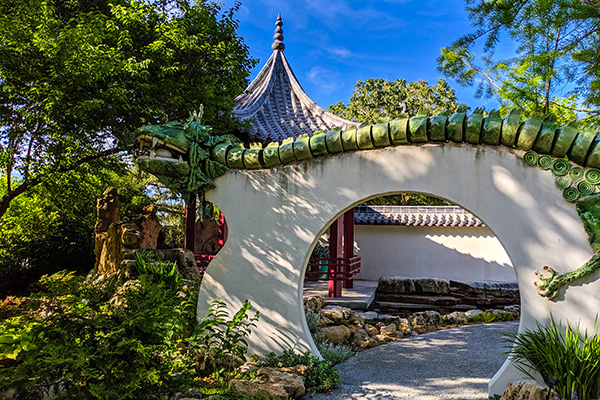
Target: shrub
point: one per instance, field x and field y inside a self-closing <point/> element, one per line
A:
<point x="312" y="320"/>
<point x="335" y="353"/>
<point x="148" y="264"/>
<point x="572" y="358"/>
<point x="144" y="348"/>
<point x="321" y="376"/>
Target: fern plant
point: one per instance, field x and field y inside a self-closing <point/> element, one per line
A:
<point x="154" y="267"/>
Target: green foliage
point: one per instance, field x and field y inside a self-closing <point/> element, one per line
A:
<point x="553" y="68"/>
<point x="335" y="353"/>
<point x="141" y="348"/>
<point x="407" y="199"/>
<point x="321" y="376"/>
<point x="159" y="272"/>
<point x="571" y="358"/>
<point x="487" y="317"/>
<point x="312" y="320"/>
<point x="374" y="99"/>
<point x="51" y="227"/>
<point x="495" y="397"/>
<point x="78" y="77"/>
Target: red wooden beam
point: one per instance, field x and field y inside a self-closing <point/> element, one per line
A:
<point x="335" y="251"/>
<point x="190" y="224"/>
<point x="348" y="243"/>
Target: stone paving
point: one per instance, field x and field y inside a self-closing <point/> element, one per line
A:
<point x="453" y="364"/>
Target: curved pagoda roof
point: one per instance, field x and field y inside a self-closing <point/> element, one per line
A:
<point x="277" y="105"/>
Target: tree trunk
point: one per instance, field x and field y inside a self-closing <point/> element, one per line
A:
<point x="8" y="197"/>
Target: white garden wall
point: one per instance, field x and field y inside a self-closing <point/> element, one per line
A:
<point x="463" y="254"/>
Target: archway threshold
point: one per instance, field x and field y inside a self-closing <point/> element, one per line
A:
<point x="359" y="297"/>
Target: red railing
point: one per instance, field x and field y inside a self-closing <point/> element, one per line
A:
<point x="203" y="259"/>
<point x="336" y="269"/>
<point x="339" y="272"/>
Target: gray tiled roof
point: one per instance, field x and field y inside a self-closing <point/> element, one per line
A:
<point x="416" y="216"/>
<point x="278" y="106"/>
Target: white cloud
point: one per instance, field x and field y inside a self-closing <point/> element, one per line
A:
<point x="326" y="80"/>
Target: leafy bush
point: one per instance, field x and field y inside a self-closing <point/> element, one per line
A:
<point x="572" y="358"/>
<point x="335" y="353"/>
<point x="78" y="344"/>
<point x="321" y="376"/>
<point x="487" y="317"/>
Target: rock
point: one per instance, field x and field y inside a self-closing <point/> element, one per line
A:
<point x="395" y="284"/>
<point x="9" y="395"/>
<point x="404" y="326"/>
<point x="389" y="330"/>
<point x="150" y="227"/>
<point x="526" y="389"/>
<point x="325" y="321"/>
<point x="363" y="341"/>
<point x="108" y="209"/>
<point x="425" y="318"/>
<point x="336" y="313"/>
<point x="314" y="303"/>
<point x="289" y="379"/>
<point x="432" y="286"/>
<point x="299" y="369"/>
<point x="354" y="328"/>
<point x="335" y="334"/>
<point x="206" y="239"/>
<point x="248" y="367"/>
<point x="456" y="317"/>
<point x="383" y="338"/>
<point x="371" y="330"/>
<point x="367" y="315"/>
<point x="356" y="318"/>
<point x="257" y="389"/>
<point x="186" y="263"/>
<point x="471" y="313"/>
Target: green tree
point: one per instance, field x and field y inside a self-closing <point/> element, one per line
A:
<point x="378" y="98"/>
<point x="51" y="227"/>
<point x="78" y="77"/>
<point x="555" y="66"/>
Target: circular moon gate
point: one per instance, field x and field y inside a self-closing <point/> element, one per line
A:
<point x="275" y="217"/>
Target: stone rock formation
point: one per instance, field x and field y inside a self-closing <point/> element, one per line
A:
<point x="207" y="235"/>
<point x="150" y="227"/>
<point x="117" y="242"/>
<point x="526" y="389"/>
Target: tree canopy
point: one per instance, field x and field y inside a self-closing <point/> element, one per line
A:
<point x="78" y="77"/>
<point x="378" y="98"/>
<point x="555" y="66"/>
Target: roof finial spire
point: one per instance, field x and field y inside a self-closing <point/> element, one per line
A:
<point x="278" y="37"/>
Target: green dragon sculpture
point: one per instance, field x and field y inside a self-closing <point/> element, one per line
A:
<point x="186" y="157"/>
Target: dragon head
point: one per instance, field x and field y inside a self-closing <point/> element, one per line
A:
<point x="179" y="155"/>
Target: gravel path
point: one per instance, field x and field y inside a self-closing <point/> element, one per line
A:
<point x="450" y="364"/>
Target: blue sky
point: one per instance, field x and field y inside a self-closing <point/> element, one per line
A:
<point x="331" y="44"/>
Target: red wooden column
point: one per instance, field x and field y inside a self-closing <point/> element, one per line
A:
<point x="348" y="244"/>
<point x="335" y="252"/>
<point x="190" y="224"/>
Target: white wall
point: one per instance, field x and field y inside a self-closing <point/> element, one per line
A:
<point x="463" y="254"/>
<point x="275" y="217"/>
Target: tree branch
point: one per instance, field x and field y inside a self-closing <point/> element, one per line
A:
<point x="30" y="183"/>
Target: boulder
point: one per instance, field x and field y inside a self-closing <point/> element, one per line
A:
<point x="336" y="313"/>
<point x="371" y="330"/>
<point x="404" y="326"/>
<point x="150" y="227"/>
<point x="432" y="286"/>
<point x="526" y="389"/>
<point x="389" y="330"/>
<point x="363" y="341"/>
<point x="335" y="334"/>
<point x="456" y="317"/>
<point x="395" y="284"/>
<point x="383" y="338"/>
<point x="425" y="318"/>
<point x="289" y="378"/>
<point x="314" y="303"/>
<point x="257" y="389"/>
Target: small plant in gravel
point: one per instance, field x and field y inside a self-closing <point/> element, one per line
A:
<point x="335" y="353"/>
